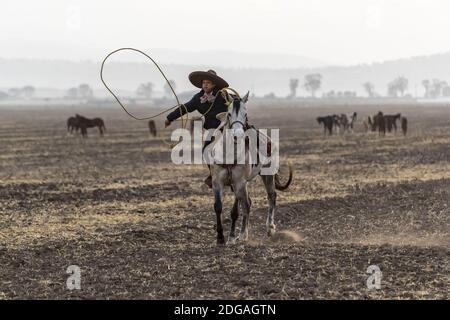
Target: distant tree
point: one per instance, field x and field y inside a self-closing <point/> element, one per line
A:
<point x="349" y="94"/>
<point x="402" y="85"/>
<point x="85" y="91"/>
<point x="72" y="93"/>
<point x="27" y="92"/>
<point x="313" y="82"/>
<point x="398" y="85"/>
<point x="370" y="89"/>
<point x="167" y="91"/>
<point x="426" y="84"/>
<point x="444" y="85"/>
<point x="437" y="87"/>
<point x="446" y="91"/>
<point x="14" y="92"/>
<point x="331" y="94"/>
<point x="3" y="95"/>
<point x="270" y="95"/>
<point x="293" y="85"/>
<point x="145" y="90"/>
<point x="392" y="89"/>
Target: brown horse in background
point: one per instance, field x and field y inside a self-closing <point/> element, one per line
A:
<point x="85" y="123"/>
<point x="327" y="122"/>
<point x="72" y="124"/>
<point x="378" y="123"/>
<point x="404" y="123"/>
<point x="391" y="121"/>
<point x="152" y="127"/>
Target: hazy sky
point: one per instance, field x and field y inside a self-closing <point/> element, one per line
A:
<point x="340" y="32"/>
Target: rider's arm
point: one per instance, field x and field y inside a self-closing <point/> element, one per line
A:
<point x="190" y="106"/>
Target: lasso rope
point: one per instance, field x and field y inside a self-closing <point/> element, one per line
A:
<point x="162" y="73"/>
<point x="179" y="104"/>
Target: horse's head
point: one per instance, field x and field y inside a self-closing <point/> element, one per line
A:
<point x="236" y="117"/>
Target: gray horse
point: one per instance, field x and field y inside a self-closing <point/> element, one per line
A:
<point x="239" y="173"/>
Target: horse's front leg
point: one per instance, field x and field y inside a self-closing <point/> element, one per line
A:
<point x="242" y="196"/>
<point x="218" y="195"/>
<point x="84" y="132"/>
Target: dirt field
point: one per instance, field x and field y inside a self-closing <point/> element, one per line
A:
<point x="139" y="226"/>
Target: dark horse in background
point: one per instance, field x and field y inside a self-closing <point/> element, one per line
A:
<point x="152" y="128"/>
<point x="384" y="122"/>
<point x="391" y="121"/>
<point x="83" y="123"/>
<point x="327" y="122"/>
<point x="378" y="123"/>
<point x="72" y="124"/>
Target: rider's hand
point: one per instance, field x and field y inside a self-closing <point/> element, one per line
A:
<point x="167" y="123"/>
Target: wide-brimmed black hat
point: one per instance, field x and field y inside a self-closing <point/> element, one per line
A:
<point x="197" y="77"/>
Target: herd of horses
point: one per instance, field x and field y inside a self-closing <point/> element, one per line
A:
<point x="342" y="123"/>
<point x="380" y="122"/>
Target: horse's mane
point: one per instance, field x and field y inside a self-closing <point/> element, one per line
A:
<point x="80" y="117"/>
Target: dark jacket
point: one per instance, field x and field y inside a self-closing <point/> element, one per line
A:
<point x="211" y="121"/>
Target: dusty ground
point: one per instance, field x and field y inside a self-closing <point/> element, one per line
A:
<point x="140" y="227"/>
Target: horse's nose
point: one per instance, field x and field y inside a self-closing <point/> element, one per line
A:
<point x="238" y="133"/>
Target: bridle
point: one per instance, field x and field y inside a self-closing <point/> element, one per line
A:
<point x="238" y="121"/>
<point x="244" y="125"/>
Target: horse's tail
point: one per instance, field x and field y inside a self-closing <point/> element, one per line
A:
<point x="101" y="124"/>
<point x="282" y="187"/>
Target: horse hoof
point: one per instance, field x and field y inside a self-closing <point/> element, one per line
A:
<point x="221" y="241"/>
<point x="271" y="231"/>
<point x="233" y="240"/>
<point x="243" y="238"/>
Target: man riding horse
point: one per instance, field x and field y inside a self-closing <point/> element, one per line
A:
<point x="219" y="114"/>
<point x="210" y="84"/>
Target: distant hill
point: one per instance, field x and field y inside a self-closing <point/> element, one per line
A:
<point x="127" y="76"/>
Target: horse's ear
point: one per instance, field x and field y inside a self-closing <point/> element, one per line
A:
<point x="221" y="116"/>
<point x="245" y="98"/>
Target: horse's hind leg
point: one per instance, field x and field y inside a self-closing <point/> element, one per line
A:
<point x="269" y="184"/>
